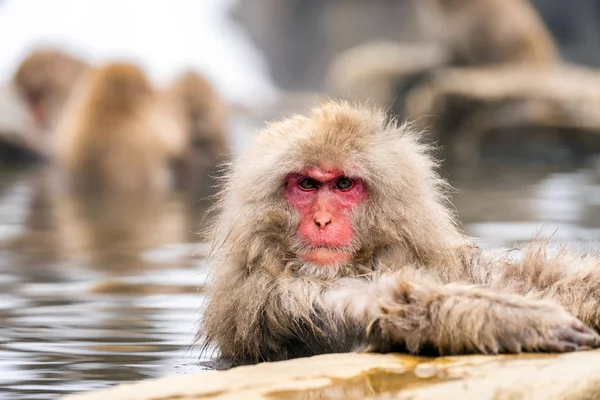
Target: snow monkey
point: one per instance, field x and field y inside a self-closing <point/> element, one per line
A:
<point x="335" y="235"/>
<point x="45" y="79"/>
<point x="204" y="112"/>
<point x="117" y="133"/>
<point x="494" y="32"/>
<point x="204" y="115"/>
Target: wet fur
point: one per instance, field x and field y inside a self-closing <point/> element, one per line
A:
<point x="416" y="283"/>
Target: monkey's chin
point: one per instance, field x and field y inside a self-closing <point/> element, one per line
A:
<point x="324" y="256"/>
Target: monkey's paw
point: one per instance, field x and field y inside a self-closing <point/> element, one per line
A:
<point x="538" y="326"/>
<point x="530" y="326"/>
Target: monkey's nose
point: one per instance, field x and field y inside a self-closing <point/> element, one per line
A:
<point x="322" y="218"/>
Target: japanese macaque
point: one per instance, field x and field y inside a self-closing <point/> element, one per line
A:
<point x="45" y="79"/>
<point x="205" y="120"/>
<point x="117" y="133"/>
<point x="335" y="235"/>
<point x="480" y="32"/>
<point x="204" y="111"/>
<point x="456" y="33"/>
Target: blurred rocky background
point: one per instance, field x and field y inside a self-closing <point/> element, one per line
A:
<point x="536" y="91"/>
<point x="300" y="38"/>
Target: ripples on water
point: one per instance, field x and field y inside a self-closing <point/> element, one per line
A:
<point x="90" y="298"/>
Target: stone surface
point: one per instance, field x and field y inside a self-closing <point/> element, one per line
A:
<point x="384" y="69"/>
<point x="372" y="376"/>
<point x="464" y="105"/>
<point x="564" y="84"/>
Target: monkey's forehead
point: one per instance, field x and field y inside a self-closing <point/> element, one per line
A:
<point x="394" y="164"/>
<point x="333" y="126"/>
<point x="334" y="131"/>
<point x="356" y="139"/>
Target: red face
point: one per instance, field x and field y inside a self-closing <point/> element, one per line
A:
<point x="325" y="199"/>
<point x="35" y="100"/>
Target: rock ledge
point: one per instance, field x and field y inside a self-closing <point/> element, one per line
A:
<point x="372" y="376"/>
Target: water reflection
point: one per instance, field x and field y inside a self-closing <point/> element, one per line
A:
<point x="94" y="291"/>
<point x="510" y="206"/>
<point x="61" y="343"/>
<point x="99" y="291"/>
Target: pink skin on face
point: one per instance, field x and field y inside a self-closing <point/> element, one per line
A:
<point x="324" y="205"/>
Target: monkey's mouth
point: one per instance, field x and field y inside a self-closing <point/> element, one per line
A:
<point x="324" y="255"/>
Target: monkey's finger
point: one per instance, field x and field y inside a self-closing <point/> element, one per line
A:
<point x="582" y="339"/>
<point x="558" y="347"/>
<point x="581" y="327"/>
<point x="511" y="344"/>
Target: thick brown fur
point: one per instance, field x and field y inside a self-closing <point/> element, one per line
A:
<point x="45" y="79"/>
<point x="205" y="119"/>
<point x="117" y="133"/>
<point x="416" y="282"/>
<point x="482" y="32"/>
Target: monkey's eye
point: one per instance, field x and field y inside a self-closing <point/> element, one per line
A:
<point x="308" y="184"/>
<point x="343" y="183"/>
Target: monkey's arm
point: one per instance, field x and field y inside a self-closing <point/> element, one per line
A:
<point x="538" y="272"/>
<point x="262" y="319"/>
<point x="456" y="319"/>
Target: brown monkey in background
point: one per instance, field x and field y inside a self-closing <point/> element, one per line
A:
<point x="480" y="32"/>
<point x="335" y="235"/>
<point x="205" y="119"/>
<point x="117" y="133"/>
<point x="464" y="33"/>
<point x="205" y="113"/>
<point x="45" y="79"/>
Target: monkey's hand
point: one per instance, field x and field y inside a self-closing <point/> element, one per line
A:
<point x="458" y="319"/>
<point x="572" y="280"/>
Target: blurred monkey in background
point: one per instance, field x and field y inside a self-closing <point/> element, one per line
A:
<point x="459" y="33"/>
<point x="481" y="32"/>
<point x="205" y="118"/>
<point x="45" y="79"/>
<point x="117" y="132"/>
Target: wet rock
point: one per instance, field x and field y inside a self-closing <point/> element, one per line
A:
<point x="382" y="72"/>
<point x="516" y="104"/>
<point x="360" y="376"/>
